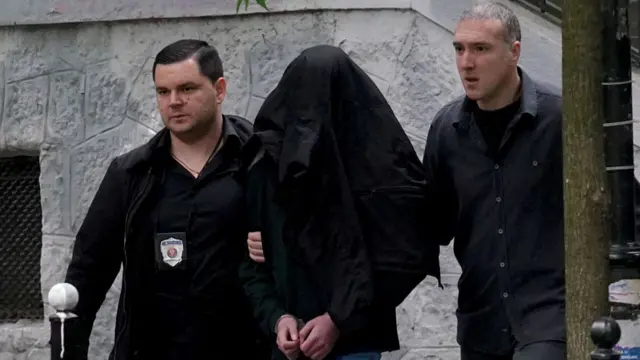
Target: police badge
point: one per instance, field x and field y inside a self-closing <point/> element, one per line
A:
<point x="171" y="251"/>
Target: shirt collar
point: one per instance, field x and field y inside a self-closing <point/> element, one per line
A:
<point x="230" y="137"/>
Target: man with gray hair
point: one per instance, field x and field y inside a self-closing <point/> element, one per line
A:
<point x="494" y="159"/>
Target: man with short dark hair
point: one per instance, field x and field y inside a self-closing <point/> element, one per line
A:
<point x="171" y="212"/>
<point x="494" y="159"/>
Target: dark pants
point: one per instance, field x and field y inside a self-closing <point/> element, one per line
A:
<point x="546" y="350"/>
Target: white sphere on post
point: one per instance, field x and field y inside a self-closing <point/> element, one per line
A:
<point x="63" y="297"/>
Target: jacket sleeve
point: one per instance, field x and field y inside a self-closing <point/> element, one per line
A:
<point x="441" y="198"/>
<point x="256" y="277"/>
<point x="98" y="249"/>
<point x="260" y="288"/>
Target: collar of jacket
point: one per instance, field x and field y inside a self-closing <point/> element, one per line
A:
<point x="150" y="154"/>
<point x="528" y="105"/>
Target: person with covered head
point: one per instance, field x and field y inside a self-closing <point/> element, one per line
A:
<point x="336" y="196"/>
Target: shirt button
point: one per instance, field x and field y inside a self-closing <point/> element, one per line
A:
<point x="502" y="264"/>
<point x="505" y="295"/>
<point x="535" y="163"/>
<point x="496" y="166"/>
<point x="500" y="231"/>
<point x="498" y="199"/>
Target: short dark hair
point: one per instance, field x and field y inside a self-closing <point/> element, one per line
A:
<point x="205" y="55"/>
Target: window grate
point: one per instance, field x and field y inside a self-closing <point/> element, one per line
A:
<point x="20" y="239"/>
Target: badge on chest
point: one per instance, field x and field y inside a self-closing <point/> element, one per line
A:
<point x="171" y="251"/>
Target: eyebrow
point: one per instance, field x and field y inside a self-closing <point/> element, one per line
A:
<point x="481" y="43"/>
<point x="188" y="83"/>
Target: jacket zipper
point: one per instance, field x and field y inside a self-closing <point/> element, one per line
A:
<point x="134" y="207"/>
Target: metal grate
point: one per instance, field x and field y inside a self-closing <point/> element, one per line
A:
<point x="20" y="239"/>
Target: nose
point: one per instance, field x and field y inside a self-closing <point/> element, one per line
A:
<point x="465" y="60"/>
<point x="175" y="99"/>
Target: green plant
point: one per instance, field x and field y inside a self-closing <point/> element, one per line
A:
<point x="262" y="3"/>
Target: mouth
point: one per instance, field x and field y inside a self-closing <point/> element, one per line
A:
<point x="471" y="79"/>
<point x="178" y="117"/>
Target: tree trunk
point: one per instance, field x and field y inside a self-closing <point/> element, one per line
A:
<point x="586" y="195"/>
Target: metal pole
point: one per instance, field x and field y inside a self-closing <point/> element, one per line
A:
<point x="605" y="333"/>
<point x="618" y="138"/>
<point x="64" y="323"/>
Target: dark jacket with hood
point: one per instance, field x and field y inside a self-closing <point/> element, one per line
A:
<point x="338" y="192"/>
<point x="116" y="232"/>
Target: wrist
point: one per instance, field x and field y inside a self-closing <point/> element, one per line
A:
<point x="332" y="321"/>
<point x="299" y="322"/>
<point x="284" y="316"/>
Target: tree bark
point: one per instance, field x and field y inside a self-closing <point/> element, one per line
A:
<point x="586" y="195"/>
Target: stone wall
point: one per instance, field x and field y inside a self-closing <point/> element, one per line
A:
<point x="81" y="94"/>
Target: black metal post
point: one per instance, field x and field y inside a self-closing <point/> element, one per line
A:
<point x="64" y="342"/>
<point x="605" y="333"/>
<point x="618" y="137"/>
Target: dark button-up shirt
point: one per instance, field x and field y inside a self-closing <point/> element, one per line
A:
<point x="195" y="306"/>
<point x="505" y="212"/>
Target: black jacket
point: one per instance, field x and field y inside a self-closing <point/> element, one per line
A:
<point x="114" y="232"/>
<point x="505" y="211"/>
<point x="347" y="192"/>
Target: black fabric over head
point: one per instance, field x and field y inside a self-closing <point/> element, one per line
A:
<point x="349" y="179"/>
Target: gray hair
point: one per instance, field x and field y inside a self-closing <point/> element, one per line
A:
<point x="496" y="11"/>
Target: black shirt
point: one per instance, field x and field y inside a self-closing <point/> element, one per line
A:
<point x="493" y="123"/>
<point x="505" y="211"/>
<point x="186" y="305"/>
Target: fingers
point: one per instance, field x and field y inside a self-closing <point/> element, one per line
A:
<point x="254" y="243"/>
<point x="288" y="342"/>
<point x="288" y="333"/>
<point x="255" y="236"/>
<point x="310" y="345"/>
<point x="306" y="330"/>
<point x="292" y="329"/>
<point x="315" y="348"/>
<point x="259" y="257"/>
<point x="289" y="348"/>
<point x="288" y="337"/>
<point x="289" y="345"/>
<point x="315" y="344"/>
